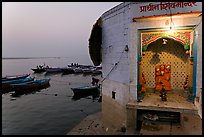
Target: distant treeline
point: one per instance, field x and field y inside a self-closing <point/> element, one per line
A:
<point x="28" y="57"/>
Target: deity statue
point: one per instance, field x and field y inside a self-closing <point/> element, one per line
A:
<point x="163" y="76"/>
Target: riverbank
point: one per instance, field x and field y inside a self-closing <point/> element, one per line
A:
<point x="92" y="125"/>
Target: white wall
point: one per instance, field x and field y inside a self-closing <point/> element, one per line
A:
<point x="160" y="23"/>
<point x="115" y="37"/>
<point x="119" y="30"/>
<point x="198" y="37"/>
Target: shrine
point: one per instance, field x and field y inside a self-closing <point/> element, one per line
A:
<point x="151" y="57"/>
<point x="159" y="58"/>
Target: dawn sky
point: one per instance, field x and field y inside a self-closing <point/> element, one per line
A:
<point x="49" y="29"/>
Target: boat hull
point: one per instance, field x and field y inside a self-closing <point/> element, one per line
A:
<point x="85" y="90"/>
<point x="38" y="70"/>
<point x="96" y="72"/>
<point x="53" y="71"/>
<point x="6" y="85"/>
<point x="67" y="71"/>
<point x="14" y="77"/>
<point x="78" y="71"/>
<point x="34" y="85"/>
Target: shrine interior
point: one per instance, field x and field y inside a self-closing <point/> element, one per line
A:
<point x="167" y="63"/>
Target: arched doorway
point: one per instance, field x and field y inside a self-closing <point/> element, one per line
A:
<point x="160" y="48"/>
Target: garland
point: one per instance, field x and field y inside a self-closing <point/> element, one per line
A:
<point x="95" y="42"/>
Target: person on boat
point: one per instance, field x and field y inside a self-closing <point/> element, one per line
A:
<point x="95" y="81"/>
<point x="40" y="66"/>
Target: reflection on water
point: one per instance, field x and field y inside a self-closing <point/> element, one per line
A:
<point x="49" y="111"/>
<point x="25" y="92"/>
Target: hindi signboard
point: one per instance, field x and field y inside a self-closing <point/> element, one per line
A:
<point x="147" y="9"/>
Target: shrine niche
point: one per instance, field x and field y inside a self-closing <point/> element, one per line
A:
<point x="165" y="60"/>
<point x="163" y="77"/>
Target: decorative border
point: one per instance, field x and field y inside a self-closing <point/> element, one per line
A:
<point x="182" y="36"/>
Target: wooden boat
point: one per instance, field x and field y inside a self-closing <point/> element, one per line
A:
<point x="7" y="83"/>
<point x="13" y="77"/>
<point x="87" y="71"/>
<point x="79" y="96"/>
<point x="84" y="90"/>
<point x="31" y="85"/>
<point x="96" y="72"/>
<point x="53" y="70"/>
<point x="68" y="70"/>
<point x="78" y="70"/>
<point x="39" y="70"/>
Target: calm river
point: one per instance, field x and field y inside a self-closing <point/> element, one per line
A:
<point x="50" y="111"/>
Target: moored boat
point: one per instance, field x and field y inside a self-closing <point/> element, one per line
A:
<point x="96" y="72"/>
<point x="84" y="90"/>
<point x="87" y="71"/>
<point x="13" y="77"/>
<point x="68" y="70"/>
<point x="79" y="96"/>
<point x="6" y="85"/>
<point x="53" y="70"/>
<point x="78" y="70"/>
<point x="39" y="70"/>
<point x="31" y="85"/>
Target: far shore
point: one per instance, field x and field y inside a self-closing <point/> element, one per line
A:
<point x="29" y="57"/>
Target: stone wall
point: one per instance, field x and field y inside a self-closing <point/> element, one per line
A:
<point x="113" y="113"/>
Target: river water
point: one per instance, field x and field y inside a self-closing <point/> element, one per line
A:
<point x="50" y="111"/>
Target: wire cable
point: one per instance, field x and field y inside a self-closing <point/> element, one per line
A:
<point x="171" y="18"/>
<point x="113" y="66"/>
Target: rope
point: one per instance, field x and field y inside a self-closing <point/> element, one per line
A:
<point x="171" y="17"/>
<point x="113" y="66"/>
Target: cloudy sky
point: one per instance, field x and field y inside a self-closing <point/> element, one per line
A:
<point x="49" y="29"/>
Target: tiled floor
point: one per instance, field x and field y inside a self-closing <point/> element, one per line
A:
<point x="175" y="102"/>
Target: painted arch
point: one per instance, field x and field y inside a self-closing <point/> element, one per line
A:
<point x="183" y="36"/>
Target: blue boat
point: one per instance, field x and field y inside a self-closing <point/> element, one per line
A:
<point x="85" y="90"/>
<point x="31" y="85"/>
<point x="13" y="77"/>
<point x="6" y="85"/>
